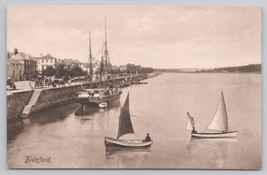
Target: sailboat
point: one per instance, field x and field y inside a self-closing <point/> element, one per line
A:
<point x="219" y="124"/>
<point x="100" y="96"/>
<point x="126" y="136"/>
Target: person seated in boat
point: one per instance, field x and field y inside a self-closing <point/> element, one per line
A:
<point x="194" y="131"/>
<point x="147" y="139"/>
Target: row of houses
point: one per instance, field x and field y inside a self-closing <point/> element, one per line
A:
<point x="21" y="66"/>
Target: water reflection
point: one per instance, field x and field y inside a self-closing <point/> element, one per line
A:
<point x="59" y="113"/>
<point x="53" y="114"/>
<point x="85" y="111"/>
<point x="81" y="112"/>
<point x="128" y="157"/>
<point x="209" y="153"/>
<point x="14" y="127"/>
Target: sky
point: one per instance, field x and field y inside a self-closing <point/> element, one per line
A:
<point x="154" y="36"/>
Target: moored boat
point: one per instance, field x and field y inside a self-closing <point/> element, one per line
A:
<point x="100" y="95"/>
<point x="218" y="124"/>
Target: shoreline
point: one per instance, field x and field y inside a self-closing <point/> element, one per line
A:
<point x="49" y="97"/>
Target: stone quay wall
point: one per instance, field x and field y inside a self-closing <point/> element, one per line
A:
<point x="50" y="97"/>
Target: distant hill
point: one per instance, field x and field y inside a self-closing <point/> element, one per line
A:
<point x="239" y="69"/>
<point x="185" y="70"/>
<point x="252" y="68"/>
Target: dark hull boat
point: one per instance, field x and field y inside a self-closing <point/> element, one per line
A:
<point x="98" y="96"/>
<point x="126" y="129"/>
<point x="218" y="124"/>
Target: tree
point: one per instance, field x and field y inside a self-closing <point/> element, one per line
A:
<point x="77" y="71"/>
<point x="60" y="70"/>
<point x="34" y="74"/>
<point x="49" y="71"/>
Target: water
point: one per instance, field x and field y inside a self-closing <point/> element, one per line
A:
<point x="75" y="138"/>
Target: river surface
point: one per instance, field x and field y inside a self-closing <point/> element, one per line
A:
<point x="74" y="137"/>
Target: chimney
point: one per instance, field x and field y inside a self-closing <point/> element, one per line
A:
<point x="41" y="55"/>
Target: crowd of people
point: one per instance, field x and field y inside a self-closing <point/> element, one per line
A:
<point x="41" y="82"/>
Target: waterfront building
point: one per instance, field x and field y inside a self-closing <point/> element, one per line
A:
<point x="45" y="61"/>
<point x="15" y="69"/>
<point x="28" y="62"/>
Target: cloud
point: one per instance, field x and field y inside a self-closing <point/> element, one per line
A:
<point x="151" y="36"/>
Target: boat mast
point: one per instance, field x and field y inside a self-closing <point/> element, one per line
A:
<point x="102" y="64"/>
<point x="226" y="116"/>
<point x="106" y="57"/>
<point x="90" y="59"/>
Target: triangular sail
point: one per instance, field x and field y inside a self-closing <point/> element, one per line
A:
<point x="125" y="123"/>
<point x="220" y="119"/>
<point x="190" y="122"/>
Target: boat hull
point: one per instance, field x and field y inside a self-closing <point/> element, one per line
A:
<point x="97" y="100"/>
<point x="111" y="142"/>
<point x="216" y="135"/>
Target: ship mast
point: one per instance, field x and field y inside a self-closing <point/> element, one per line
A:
<point x="102" y="63"/>
<point x="90" y="59"/>
<point x="106" y="57"/>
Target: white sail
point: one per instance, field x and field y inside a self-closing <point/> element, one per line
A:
<point x="190" y="123"/>
<point x="220" y="119"/>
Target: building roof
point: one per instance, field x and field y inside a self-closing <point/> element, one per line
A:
<point x="13" y="61"/>
<point x="21" y="56"/>
<point x="48" y="56"/>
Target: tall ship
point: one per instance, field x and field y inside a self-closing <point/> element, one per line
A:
<point x="109" y="91"/>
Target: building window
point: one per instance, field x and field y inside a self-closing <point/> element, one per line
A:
<point x="51" y="60"/>
<point x="42" y="60"/>
<point x="42" y="67"/>
<point x="47" y="60"/>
